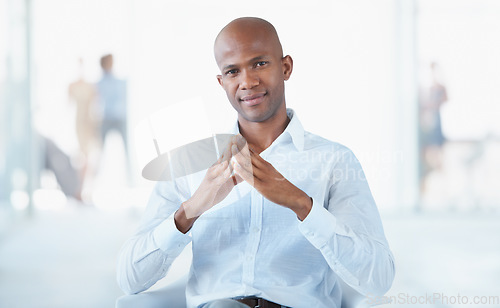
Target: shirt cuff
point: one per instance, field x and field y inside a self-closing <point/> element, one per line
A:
<point x="319" y="225"/>
<point x="168" y="238"/>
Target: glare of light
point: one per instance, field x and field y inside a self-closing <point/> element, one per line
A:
<point x="19" y="199"/>
<point x="119" y="199"/>
<point x="49" y="199"/>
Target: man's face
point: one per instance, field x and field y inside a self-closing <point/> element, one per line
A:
<point x="252" y="74"/>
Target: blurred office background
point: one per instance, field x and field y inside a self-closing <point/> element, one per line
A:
<point x="411" y="86"/>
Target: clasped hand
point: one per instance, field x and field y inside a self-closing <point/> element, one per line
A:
<point x="240" y="163"/>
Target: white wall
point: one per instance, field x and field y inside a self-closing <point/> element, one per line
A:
<point x="342" y="85"/>
<point x="463" y="37"/>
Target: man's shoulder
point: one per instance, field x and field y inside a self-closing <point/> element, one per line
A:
<point x="313" y="142"/>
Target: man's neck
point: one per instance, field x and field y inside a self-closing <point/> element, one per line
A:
<point x="260" y="135"/>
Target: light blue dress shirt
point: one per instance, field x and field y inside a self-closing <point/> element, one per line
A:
<point x="112" y="97"/>
<point x="247" y="245"/>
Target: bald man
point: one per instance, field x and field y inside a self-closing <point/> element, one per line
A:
<point x="280" y="218"/>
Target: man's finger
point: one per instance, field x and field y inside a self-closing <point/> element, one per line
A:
<point x="242" y="158"/>
<point x="238" y="179"/>
<point x="244" y="174"/>
<point x="226" y="155"/>
<point x="257" y="160"/>
<point x="227" y="173"/>
<point x="241" y="142"/>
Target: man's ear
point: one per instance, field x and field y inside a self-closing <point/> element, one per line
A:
<point x="219" y="79"/>
<point x="287" y="65"/>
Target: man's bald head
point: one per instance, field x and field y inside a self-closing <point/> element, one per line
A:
<point x="253" y="70"/>
<point x="248" y="30"/>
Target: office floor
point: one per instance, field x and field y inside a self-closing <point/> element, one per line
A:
<point x="67" y="258"/>
<point x="441" y="257"/>
<point x="63" y="259"/>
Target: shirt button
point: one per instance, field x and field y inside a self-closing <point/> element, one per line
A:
<point x="255" y="229"/>
<point x="249" y="258"/>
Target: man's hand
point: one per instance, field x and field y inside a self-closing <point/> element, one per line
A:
<point x="216" y="185"/>
<point x="267" y="180"/>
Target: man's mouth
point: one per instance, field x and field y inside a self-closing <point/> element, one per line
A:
<point x="253" y="99"/>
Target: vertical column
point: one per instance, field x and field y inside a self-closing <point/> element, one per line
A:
<point x="4" y="183"/>
<point x="33" y="160"/>
<point x="406" y="85"/>
<point x="18" y="153"/>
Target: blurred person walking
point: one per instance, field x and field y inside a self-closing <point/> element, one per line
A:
<point x="83" y="94"/>
<point x="112" y="98"/>
<point x="432" y="97"/>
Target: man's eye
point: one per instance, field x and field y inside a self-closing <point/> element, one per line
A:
<point x="231" y="72"/>
<point x="261" y="63"/>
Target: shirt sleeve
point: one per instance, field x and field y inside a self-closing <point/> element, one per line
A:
<point x="348" y="231"/>
<point x="146" y="257"/>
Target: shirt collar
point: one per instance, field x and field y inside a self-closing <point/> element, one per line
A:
<point x="294" y="129"/>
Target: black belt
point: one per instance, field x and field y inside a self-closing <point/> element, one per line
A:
<point x="258" y="302"/>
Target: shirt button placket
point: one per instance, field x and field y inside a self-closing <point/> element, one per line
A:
<point x="253" y="237"/>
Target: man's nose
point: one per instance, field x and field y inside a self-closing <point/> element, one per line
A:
<point x="248" y="80"/>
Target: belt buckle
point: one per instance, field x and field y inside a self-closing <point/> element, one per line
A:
<point x="255" y="301"/>
<point x="258" y="303"/>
